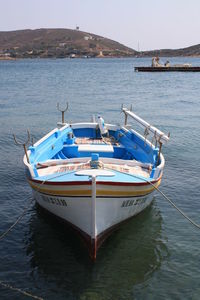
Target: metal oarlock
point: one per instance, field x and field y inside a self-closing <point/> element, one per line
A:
<point x="19" y="143"/>
<point x="125" y="115"/>
<point x="62" y="111"/>
<point x="125" y="121"/>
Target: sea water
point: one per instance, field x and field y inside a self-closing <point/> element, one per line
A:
<point x="156" y="255"/>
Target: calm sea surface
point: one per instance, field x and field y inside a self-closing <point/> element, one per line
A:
<point x="156" y="255"/>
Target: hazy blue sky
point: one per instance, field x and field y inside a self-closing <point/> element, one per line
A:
<point x="153" y="23"/>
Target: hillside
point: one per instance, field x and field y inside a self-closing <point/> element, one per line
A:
<point x="58" y="43"/>
<point x="73" y="43"/>
<point x="189" y="51"/>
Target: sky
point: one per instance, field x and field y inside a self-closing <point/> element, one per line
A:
<point x="139" y="24"/>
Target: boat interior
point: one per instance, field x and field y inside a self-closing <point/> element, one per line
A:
<point x="82" y="145"/>
<point x="117" y="144"/>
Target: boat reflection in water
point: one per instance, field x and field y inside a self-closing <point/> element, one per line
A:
<point x="126" y="260"/>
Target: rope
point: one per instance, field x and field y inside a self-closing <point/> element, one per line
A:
<point x="6" y="285"/>
<point x="141" y="178"/>
<point x="1" y="238"/>
<point x="25" y="210"/>
<point x="177" y="208"/>
<point x="16" y="222"/>
<point x="156" y="188"/>
<point x="4" y="234"/>
<point x="167" y="198"/>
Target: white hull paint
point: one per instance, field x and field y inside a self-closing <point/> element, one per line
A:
<point x="77" y="210"/>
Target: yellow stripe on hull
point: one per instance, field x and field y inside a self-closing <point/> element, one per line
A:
<point x="117" y="191"/>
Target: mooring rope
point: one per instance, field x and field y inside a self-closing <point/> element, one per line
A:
<point x="16" y="222"/>
<point x="26" y="208"/>
<point x="4" y="234"/>
<point x="6" y="285"/>
<point x="24" y="211"/>
<point x="148" y="181"/>
<point x="176" y="207"/>
<point x="135" y="176"/>
<point x="167" y="198"/>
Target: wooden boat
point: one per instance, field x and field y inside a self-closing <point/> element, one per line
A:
<point x="94" y="175"/>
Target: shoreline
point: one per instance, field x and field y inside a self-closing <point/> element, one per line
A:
<point x="7" y="58"/>
<point x="98" y="57"/>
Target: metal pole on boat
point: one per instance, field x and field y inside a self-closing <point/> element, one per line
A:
<point x="93" y="219"/>
<point x="125" y="114"/>
<point x="23" y="144"/>
<point x="25" y="150"/>
<point x="93" y="247"/>
<point x="63" y="111"/>
<point x="159" y="153"/>
<point x="126" y="118"/>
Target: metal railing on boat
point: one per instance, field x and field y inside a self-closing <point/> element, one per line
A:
<point x="158" y="134"/>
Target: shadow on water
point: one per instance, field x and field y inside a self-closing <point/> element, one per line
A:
<point x="128" y="257"/>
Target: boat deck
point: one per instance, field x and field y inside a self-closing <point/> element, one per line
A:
<point x="71" y="168"/>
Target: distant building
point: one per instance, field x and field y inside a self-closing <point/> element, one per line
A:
<point x="77" y="27"/>
<point x="87" y="38"/>
<point x="62" y="44"/>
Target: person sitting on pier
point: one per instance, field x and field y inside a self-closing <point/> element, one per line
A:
<point x="167" y="64"/>
<point x="155" y="62"/>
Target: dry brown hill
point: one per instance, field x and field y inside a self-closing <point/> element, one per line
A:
<point x="189" y="51"/>
<point x="73" y="43"/>
<point x="59" y="43"/>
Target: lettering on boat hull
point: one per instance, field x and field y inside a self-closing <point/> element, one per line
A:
<point x="132" y="202"/>
<point x="54" y="200"/>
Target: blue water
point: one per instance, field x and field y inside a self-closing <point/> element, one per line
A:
<point x="156" y="255"/>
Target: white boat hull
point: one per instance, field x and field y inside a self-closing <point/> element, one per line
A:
<point x="95" y="179"/>
<point x="77" y="211"/>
